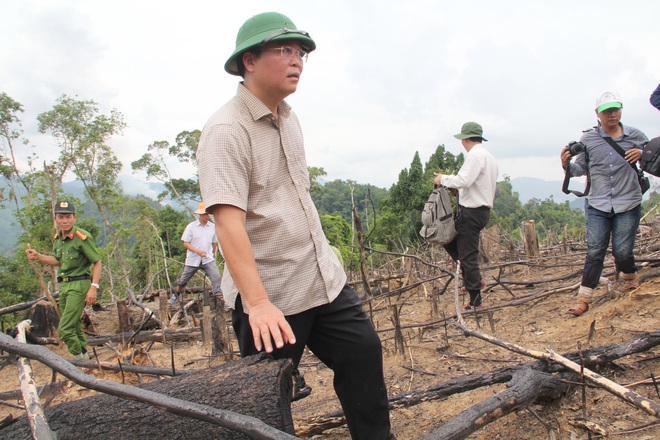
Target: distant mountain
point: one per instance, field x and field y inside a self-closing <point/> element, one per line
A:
<point x="131" y="185"/>
<point x="533" y="188"/>
<point x="526" y="187"/>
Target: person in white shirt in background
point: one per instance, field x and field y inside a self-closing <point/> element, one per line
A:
<point x="475" y="182"/>
<point x="201" y="244"/>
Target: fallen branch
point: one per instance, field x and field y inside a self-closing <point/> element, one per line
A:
<point x="35" y="413"/>
<point x="646" y="405"/>
<point x="25" y="305"/>
<point x="128" y="368"/>
<point x="148" y="335"/>
<point x="228" y="419"/>
<point x="599" y="356"/>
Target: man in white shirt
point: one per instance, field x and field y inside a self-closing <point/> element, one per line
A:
<point x="201" y="243"/>
<point x="475" y="182"/>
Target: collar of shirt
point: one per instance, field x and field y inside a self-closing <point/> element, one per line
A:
<point x="257" y="108"/>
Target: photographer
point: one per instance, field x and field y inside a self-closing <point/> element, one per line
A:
<point x="655" y="98"/>
<point x="614" y="201"/>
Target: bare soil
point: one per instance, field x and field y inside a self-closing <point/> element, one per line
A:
<point x="434" y="353"/>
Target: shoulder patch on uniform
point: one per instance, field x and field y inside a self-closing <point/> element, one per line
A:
<point x="81" y="235"/>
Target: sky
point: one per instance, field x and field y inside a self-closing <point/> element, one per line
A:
<point x="388" y="79"/>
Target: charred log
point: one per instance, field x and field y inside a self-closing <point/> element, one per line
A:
<point x="191" y="403"/>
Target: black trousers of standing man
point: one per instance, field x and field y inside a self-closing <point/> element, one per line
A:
<point x="465" y="247"/>
<point x="340" y="334"/>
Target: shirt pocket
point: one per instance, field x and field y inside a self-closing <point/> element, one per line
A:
<point x="74" y="257"/>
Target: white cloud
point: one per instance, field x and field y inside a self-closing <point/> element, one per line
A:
<point x="388" y="78"/>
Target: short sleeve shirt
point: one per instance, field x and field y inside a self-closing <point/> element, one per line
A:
<point x="249" y="159"/>
<point x="200" y="237"/>
<point x="76" y="252"/>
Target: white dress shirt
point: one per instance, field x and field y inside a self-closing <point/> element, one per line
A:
<point x="475" y="180"/>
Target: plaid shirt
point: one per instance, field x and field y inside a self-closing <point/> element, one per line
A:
<point x="246" y="160"/>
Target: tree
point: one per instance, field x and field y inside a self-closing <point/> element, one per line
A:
<point x="154" y="163"/>
<point x="81" y="133"/>
<point x="399" y="217"/>
<point x="24" y="184"/>
<point x="507" y="211"/>
<point x="314" y="174"/>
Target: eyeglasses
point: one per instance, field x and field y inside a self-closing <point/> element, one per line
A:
<point x="290" y="52"/>
<point x="283" y="31"/>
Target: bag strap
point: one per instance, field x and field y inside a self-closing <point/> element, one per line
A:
<point x="619" y="150"/>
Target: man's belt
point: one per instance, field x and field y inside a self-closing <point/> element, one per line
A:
<point x="78" y="278"/>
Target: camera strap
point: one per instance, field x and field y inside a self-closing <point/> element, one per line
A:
<point x="567" y="178"/>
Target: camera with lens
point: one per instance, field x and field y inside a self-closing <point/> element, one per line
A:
<point x="576" y="148"/>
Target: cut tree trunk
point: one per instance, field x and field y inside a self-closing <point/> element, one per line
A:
<point x="256" y="386"/>
<point x="489" y="244"/>
<point x="530" y="238"/>
<point x="44" y="318"/>
<point x="123" y="316"/>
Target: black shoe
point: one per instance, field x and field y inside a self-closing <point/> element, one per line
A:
<point x="300" y="388"/>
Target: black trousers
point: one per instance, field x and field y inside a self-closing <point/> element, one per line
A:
<point x="342" y="337"/>
<point x="465" y="247"/>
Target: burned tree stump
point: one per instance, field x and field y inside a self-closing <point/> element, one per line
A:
<point x="489" y="244"/>
<point x="221" y="342"/>
<point x="45" y="320"/>
<point x="528" y="232"/>
<point x="124" y="316"/>
<point x="256" y="386"/>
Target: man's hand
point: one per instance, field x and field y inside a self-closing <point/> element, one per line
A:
<point x="201" y="254"/>
<point x="90" y="298"/>
<point x="437" y="179"/>
<point x="565" y="158"/>
<point x="31" y="254"/>
<point x="633" y="155"/>
<point x="268" y="324"/>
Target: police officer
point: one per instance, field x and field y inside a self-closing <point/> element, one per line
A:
<point x="79" y="262"/>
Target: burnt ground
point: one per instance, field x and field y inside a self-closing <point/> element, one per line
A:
<point x="436" y="350"/>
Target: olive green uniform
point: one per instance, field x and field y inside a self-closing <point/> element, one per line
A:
<point x="76" y="252"/>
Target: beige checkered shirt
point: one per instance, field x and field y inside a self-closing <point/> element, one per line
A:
<point x="247" y="161"/>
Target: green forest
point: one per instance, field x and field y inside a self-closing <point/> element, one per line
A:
<point x="140" y="238"/>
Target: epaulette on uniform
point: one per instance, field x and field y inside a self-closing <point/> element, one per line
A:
<point x="81" y="235"/>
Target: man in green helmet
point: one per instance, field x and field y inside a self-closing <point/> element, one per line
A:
<point x="79" y="271"/>
<point x="284" y="283"/>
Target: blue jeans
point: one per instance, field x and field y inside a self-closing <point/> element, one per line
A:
<point x="623" y="228"/>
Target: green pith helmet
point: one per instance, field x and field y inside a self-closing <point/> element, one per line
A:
<point x="262" y="28"/>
